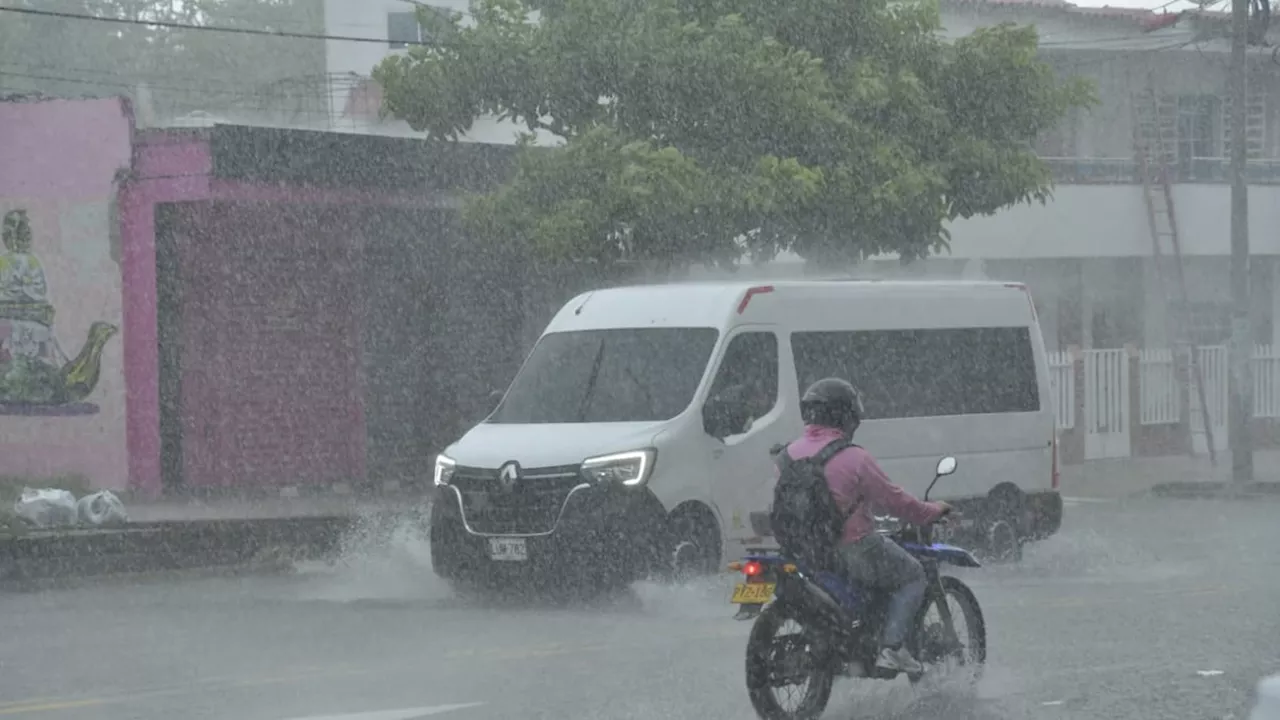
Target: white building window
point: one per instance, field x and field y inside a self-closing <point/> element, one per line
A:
<point x="403" y="30"/>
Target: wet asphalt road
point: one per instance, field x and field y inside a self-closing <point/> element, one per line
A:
<point x="1150" y="609"/>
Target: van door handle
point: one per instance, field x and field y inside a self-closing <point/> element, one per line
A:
<point x="717" y="453"/>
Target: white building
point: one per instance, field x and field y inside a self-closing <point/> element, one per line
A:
<point x="1087" y="253"/>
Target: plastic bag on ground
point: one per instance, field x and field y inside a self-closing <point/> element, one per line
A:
<point x="101" y="508"/>
<point x="47" y="507"/>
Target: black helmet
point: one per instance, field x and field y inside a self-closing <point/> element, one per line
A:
<point x="832" y="402"/>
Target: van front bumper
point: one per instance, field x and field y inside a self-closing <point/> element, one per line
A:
<point x="597" y="532"/>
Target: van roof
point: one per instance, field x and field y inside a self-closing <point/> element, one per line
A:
<point x="721" y="304"/>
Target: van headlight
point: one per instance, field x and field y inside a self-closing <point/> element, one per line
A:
<point x="444" y="469"/>
<point x="627" y="468"/>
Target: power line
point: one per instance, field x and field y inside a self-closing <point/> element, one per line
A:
<point x="213" y="84"/>
<point x="205" y="28"/>
<point x="333" y="85"/>
<point x="132" y="77"/>
<point x="120" y="83"/>
<point x="245" y="99"/>
<point x="382" y="41"/>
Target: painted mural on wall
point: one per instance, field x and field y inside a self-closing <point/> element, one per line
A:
<point x="63" y="397"/>
<point x="37" y="376"/>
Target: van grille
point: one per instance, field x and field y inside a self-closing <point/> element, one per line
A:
<point x="531" y="507"/>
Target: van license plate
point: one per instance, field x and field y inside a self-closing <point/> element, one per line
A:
<point x="508" y="549"/>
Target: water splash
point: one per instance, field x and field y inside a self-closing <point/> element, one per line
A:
<point x="383" y="557"/>
<point x="954" y="696"/>
<point x="701" y="598"/>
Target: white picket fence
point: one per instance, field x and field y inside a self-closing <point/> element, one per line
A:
<point x="1106" y="397"/>
<point x="1062" y="380"/>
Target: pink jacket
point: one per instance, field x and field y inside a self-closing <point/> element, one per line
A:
<point x="855" y="477"/>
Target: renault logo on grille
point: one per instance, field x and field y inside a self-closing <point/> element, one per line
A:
<point x="509" y="475"/>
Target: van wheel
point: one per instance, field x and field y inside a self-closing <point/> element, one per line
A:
<point x="695" y="545"/>
<point x="1004" y="537"/>
<point x="441" y="561"/>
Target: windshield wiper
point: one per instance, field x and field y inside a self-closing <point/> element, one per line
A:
<point x="591" y="382"/>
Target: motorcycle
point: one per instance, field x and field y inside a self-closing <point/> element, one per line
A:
<point x="840" y="623"/>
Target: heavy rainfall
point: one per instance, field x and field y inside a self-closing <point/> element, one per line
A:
<point x="394" y="359"/>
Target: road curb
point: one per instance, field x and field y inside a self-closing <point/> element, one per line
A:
<point x="108" y="580"/>
<point x="148" y="548"/>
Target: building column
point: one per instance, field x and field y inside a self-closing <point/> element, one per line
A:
<point x="141" y="338"/>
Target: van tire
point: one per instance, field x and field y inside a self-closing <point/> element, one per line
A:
<point x="441" y="564"/>
<point x="694" y="548"/>
<point x="1004" y="535"/>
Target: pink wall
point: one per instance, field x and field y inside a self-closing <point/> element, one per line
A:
<point x="63" y="149"/>
<point x="175" y="166"/>
<point x="58" y="161"/>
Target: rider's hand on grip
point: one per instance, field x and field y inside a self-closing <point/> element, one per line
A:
<point x="947" y="510"/>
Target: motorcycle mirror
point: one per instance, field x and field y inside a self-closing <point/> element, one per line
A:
<point x="946" y="466"/>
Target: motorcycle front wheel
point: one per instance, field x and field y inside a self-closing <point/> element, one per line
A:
<point x="789" y="676"/>
<point x="946" y="648"/>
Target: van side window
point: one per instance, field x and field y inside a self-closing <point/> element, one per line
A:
<point x="747" y="380"/>
<point x="926" y="373"/>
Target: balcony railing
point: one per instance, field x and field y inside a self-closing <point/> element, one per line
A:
<point x="1124" y="171"/>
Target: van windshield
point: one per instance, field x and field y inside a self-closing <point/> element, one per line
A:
<point x="615" y="375"/>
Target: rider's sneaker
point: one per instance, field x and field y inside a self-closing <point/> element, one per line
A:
<point x="899" y="659"/>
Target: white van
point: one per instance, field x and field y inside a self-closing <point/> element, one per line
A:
<point x="636" y="435"/>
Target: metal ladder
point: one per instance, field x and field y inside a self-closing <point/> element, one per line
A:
<point x="1155" y="147"/>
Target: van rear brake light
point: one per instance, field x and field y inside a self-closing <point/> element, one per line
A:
<point x="752" y="292"/>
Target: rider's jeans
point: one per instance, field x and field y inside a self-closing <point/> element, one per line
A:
<point x="878" y="562"/>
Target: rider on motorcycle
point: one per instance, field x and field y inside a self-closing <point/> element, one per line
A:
<point x="832" y="409"/>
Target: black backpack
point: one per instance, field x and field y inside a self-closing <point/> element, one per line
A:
<point x="804" y="518"/>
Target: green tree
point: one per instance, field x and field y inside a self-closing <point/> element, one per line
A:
<point x="696" y="130"/>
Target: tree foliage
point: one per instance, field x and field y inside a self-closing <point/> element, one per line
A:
<point x="697" y="129"/>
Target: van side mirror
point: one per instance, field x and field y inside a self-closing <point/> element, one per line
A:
<point x="495" y="399"/>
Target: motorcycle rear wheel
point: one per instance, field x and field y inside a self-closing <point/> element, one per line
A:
<point x="770" y="655"/>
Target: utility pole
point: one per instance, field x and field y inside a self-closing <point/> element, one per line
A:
<point x="1240" y="385"/>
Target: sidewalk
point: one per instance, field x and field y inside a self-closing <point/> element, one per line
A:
<point x="1123" y="477"/>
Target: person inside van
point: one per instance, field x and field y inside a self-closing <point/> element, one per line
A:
<point x="832" y="410"/>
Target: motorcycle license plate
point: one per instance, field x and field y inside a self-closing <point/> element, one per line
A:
<point x="752" y="593"/>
